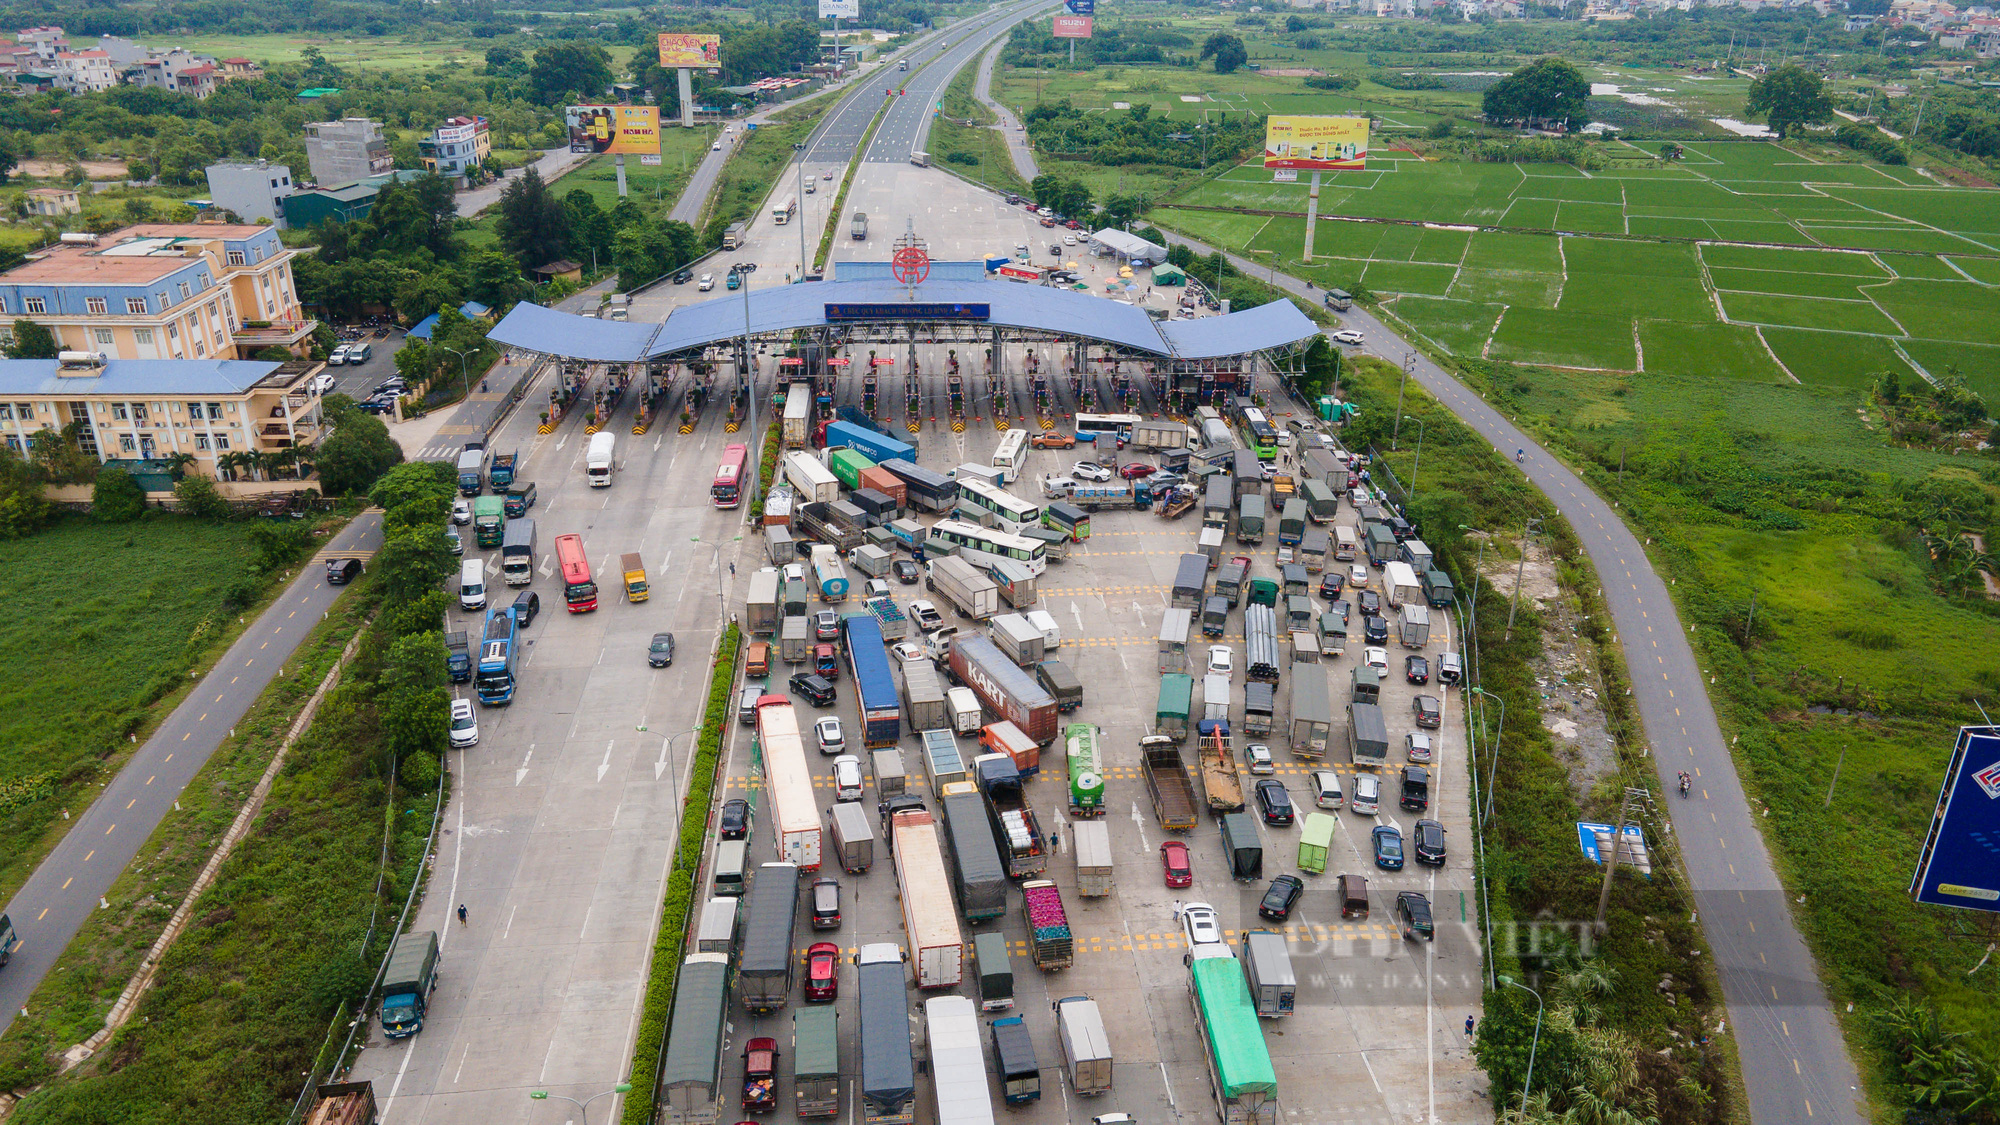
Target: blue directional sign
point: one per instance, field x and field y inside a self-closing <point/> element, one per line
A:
<point x="1960" y="864"/>
<point x="1081" y="7"/>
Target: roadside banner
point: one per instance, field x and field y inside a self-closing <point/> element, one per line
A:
<point x="1316" y="144"/>
<point x="1072" y="27"/>
<point x="840" y="9"/>
<point x="678" y="49"/>
<point x="618" y="129"/>
<point x="1080" y="7"/>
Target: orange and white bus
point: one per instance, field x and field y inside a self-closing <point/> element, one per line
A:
<point x="727" y="491"/>
<point x="579" y="592"/>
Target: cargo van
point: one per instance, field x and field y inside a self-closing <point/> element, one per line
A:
<point x="732" y="860"/>
<point x="472" y="584"/>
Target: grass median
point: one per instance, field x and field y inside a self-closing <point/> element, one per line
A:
<point x="751" y="172"/>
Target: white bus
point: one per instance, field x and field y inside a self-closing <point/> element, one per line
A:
<point x="1011" y="456"/>
<point x="784" y="209"/>
<point x="995" y="506"/>
<point x="983" y="547"/>
<point x="1088" y="426"/>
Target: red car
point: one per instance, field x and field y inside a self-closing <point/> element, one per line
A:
<point x="822" y="972"/>
<point x="826" y="661"/>
<point x="1174" y="859"/>
<point x="760" y="1075"/>
<point x="1074" y="225"/>
<point x="1137" y="469"/>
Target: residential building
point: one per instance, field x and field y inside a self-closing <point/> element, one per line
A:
<point x="230" y="70"/>
<point x="16" y="58"/>
<point x="53" y="202"/>
<point x="83" y="72"/>
<point x="48" y="42"/>
<point x="125" y="53"/>
<point x="163" y="291"/>
<point x="148" y="410"/>
<point x="340" y="203"/>
<point x="341" y="152"/>
<point x="456" y="147"/>
<point x="254" y="190"/>
<point x="179" y="72"/>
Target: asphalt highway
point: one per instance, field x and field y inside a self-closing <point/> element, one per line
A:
<point x="908" y="120"/>
<point x="57" y="899"/>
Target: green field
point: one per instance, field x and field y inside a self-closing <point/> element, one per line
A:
<point x="394" y="52"/>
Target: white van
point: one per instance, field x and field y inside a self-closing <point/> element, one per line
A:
<point x="472" y="584"/>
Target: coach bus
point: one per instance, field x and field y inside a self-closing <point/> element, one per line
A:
<point x="982" y="547"/>
<point x="1011" y="455"/>
<point x="1088" y="426"/>
<point x="995" y="507"/>
<point x="579" y="592"/>
<point x="727" y="491"/>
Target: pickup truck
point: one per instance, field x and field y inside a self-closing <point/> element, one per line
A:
<point x="927" y="617"/>
<point x="458" y="656"/>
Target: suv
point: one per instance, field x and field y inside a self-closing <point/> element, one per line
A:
<point x="847" y="778"/>
<point x="1367" y="798"/>
<point x="1428" y="843"/>
<point x="831" y="739"/>
<point x="815" y="688"/>
<point x="339" y="572"/>
<point x="826" y="904"/>
<point x="1413" y="916"/>
<point x="464" y="727"/>
<point x="1451" y="668"/>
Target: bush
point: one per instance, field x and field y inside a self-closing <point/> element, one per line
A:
<point x="965" y="158"/>
<point x="116" y="497"/>
<point x="198" y="497"/>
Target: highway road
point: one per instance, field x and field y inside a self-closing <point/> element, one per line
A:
<point x="1795" y="1065"/>
<point x="908" y="120"/>
<point x="56" y="900"/>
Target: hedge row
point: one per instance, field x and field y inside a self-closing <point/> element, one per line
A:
<point x="672" y="936"/>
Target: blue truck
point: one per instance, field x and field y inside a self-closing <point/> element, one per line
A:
<point x="497" y="654"/>
<point x="874" y="683"/>
<point x="500" y="473"/>
<point x="878" y="447"/>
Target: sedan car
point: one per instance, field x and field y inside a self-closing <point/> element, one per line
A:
<point x="826" y="904"/>
<point x="906" y="571"/>
<point x="1416" y="669"/>
<point x="1069" y="240"/>
<point x="1428" y="843"/>
<point x="1388" y="844"/>
<point x="734" y="822"/>
<point x="464" y="726"/>
<point x="461" y="511"/>
<point x="1052" y="440"/>
<point x="1430" y="715"/>
<point x="1369" y="602"/>
<point x="1280" y="897"/>
<point x="1221" y="659"/>
<point x="822" y="972"/>
<point x="826" y="625"/>
<point x="1174" y="862"/>
<point x="683" y="277"/>
<point x="1275" y="801"/>
<point x="826" y="175"/>
<point x="1348" y="336"/>
<point x="1357" y="575"/>
<point x="847" y="778"/>
<point x="1090" y="471"/>
<point x="1376" y="658"/>
<point x="831" y="739"/>
<point x="926" y="616"/>
<point x="1136" y="469"/>
<point x="1259" y="757"/>
<point x="1413" y="916"/>
<point x="1331" y="584"/>
<point x="1417" y="746"/>
<point x="1375" y="631"/>
<point x="1451" y="668"/>
<point x="1200" y="924"/>
<point x="907" y="651"/>
<point x="660" y="654"/>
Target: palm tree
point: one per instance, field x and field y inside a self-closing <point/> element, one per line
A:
<point x="238" y="461"/>
<point x="177" y="463"/>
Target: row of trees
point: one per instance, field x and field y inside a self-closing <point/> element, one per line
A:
<point x="1135" y="136"/>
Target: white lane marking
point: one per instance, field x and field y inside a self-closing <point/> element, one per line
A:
<point x="523" y="770"/>
<point x="605" y="765"/>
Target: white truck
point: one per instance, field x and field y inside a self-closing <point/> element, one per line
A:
<point x="1086" y="1049"/>
<point x="964" y="586"/>
<point x="1399" y="581"/>
<point x="966" y="717"/>
<point x="597" y="461"/>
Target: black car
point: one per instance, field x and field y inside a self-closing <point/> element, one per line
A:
<point x="380" y="404"/>
<point x="735" y="819"/>
<point x="1369" y="601"/>
<point x="1416" y="669"/>
<point x="1331" y="583"/>
<point x="339" y="572"/>
<point x="526" y="605"/>
<point x="1375" y="629"/>
<point x="907" y="571"/>
<point x="1401" y="527"/>
<point x="660" y="654"/>
<point x="1428" y="843"/>
<point x="1282" y="895"/>
<point x="826" y="904"/>
<point x="1275" y="800"/>
<point x="683" y="277"/>
<point x="815" y="688"/>
<point x="1413" y="916"/>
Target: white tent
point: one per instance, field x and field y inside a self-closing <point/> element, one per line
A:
<point x="1129" y="246"/>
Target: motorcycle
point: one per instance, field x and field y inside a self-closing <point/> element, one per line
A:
<point x="1686" y="784"/>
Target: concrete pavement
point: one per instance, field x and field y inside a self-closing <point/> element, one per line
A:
<point x="60" y="896"/>
<point x="551" y="166"/>
<point x="1794" y="1061"/>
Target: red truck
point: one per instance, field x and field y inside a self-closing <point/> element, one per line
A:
<point x="760" y="1075"/>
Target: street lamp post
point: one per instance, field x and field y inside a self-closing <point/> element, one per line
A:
<point x="1492" y="767"/>
<point x="673" y="782"/>
<point x="1514" y="603"/>
<point x="583" y="1107"/>
<point x="1532" y="1043"/>
<point x="743" y="270"/>
<point x="463" y="370"/>
<point x="1419" y="461"/>
<point x="1409" y="361"/>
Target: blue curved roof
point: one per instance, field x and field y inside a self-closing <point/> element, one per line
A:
<point x="773" y="309"/>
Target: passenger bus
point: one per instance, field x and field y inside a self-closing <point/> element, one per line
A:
<point x="579" y="592"/>
<point x="1088" y="426"/>
<point x="982" y="547"/>
<point x="1260" y="434"/>
<point x="1068" y="519"/>
<point x="788" y="781"/>
<point x="727" y="491"/>
<point x="996" y="507"/>
<point x="1011" y="456"/>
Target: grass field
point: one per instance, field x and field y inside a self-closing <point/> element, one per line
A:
<point x="410" y="52"/>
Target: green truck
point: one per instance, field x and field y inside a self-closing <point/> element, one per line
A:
<point x="489" y="520"/>
<point x="848" y="464"/>
<point x="408" y="983"/>
<point x="1170" y="716"/>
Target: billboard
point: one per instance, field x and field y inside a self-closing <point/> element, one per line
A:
<point x="615" y="129"/>
<point x="679" y="49"/>
<point x="1080" y="7"/>
<point x="840" y="9"/>
<point x="1960" y="863"/>
<point x="1072" y="27"/>
<point x="1316" y="144"/>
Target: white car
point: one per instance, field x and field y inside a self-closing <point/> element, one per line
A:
<point x="832" y="740"/>
<point x="1259" y="756"/>
<point x="926" y="615"/>
<point x="716" y="147"/>
<point x="337" y="356"/>
<point x="1090" y="471"/>
<point x="847" y="778"/>
<point x="708" y="279"/>
<point x="907" y="651"/>
<point x="1367" y="794"/>
<point x="461" y="511"/>
<point x="1326" y="789"/>
<point x="1069" y="240"/>
<point x="878" y="588"/>
<point x="1221" y="659"/>
<point x="1376" y="658"/>
<point x="1417" y="745"/>
<point x="323" y="383"/>
<point x="1347" y="336"/>
<point x="1357" y="576"/>
<point x="464" y="726"/>
<point x="1200" y="924"/>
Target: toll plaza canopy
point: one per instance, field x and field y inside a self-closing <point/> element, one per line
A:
<point x="778" y="309"/>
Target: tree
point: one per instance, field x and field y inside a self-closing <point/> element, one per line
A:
<point x="1227" y="50"/>
<point x="1441" y="128"/>
<point x="32" y="341"/>
<point x="1789" y="97"/>
<point x="1548" y="92"/>
<point x="411" y="565"/>
<point x="198" y="497"/>
<point x="561" y="69"/>
<point x="533" y="225"/>
<point x="8" y="159"/>
<point x="116" y="497"/>
<point x="414" y="481"/>
<point x="359" y="451"/>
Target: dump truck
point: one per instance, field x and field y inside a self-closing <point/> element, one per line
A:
<point x="1016" y="832"/>
<point x="1051" y="945"/>
<point x="981" y="876"/>
<point x="1086" y="1048"/>
<point x="634" y="569"/>
<point x="1168" y="782"/>
<point x="500" y="474"/>
<point x="458" y="656"/>
<point x="964" y="586"/>
<point x="408" y="982"/>
<point x="1219" y="779"/>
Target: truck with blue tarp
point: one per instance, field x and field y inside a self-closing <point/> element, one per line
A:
<point x="498" y="651"/>
<point x="876" y="446"/>
<point x="874" y="684"/>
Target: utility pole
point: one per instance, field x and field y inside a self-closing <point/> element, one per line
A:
<point x="1395" y="432"/>
<point x="1628" y="813"/>
<point x="1520" y="571"/>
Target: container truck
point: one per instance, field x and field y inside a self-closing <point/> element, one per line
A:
<point x="924" y="703"/>
<point x="1312" y="712"/>
<point x="1023" y="849"/>
<point x="1085" y="765"/>
<point x="796" y="425"/>
<point x="815" y="1062"/>
<point x="501" y="473"/>
<point x="1086" y="1048"/>
<point x="458" y="656"/>
<point x="958" y="1065"/>
<point x="996" y="972"/>
<point x="1267" y="967"/>
<point x="888" y="1076"/>
<point x="881" y="480"/>
<point x="877" y="446"/>
<point x="1051" y="945"/>
<point x="966" y="717"/>
<point x="1004" y="688"/>
<point x="734" y="236"/>
<point x="890" y="780"/>
<point x="1060" y="682"/>
<point x="794" y="639"/>
<point x="472" y="468"/>
<point x="874" y="684"/>
<point x="981" y="876"/>
<point x="937" y="948"/>
<point x="598" y="460"/>
<point x="1016" y="583"/>
<point x="1168" y="782"/>
<point x="1190" y="582"/>
<point x="829" y="577"/>
<point x="788" y="783"/>
<point x="1004" y="737"/>
<point x="761" y="607"/>
<point x="408" y="982"/>
<point x="853" y="837"/>
<point x="1399" y="584"/>
<point x="847" y="465"/>
<point x="517" y="552"/>
<point x="1367" y="736"/>
<point x="1014" y="1061"/>
<point x="909" y="533"/>
<point x="1170" y="710"/>
<point x="812" y="482"/>
<point x="871" y="561"/>
<point x="1020" y="641"/>
<point x="973" y="593"/>
<point x="717" y="930"/>
<point x="764" y="973"/>
<point x="1219" y="779"/>
<point x="1093" y="858"/>
<point x="1414" y="625"/>
<point x="489" y="520"/>
<point x="690" y="1079"/>
<point x="1215" y="696"/>
<point x="943" y="764"/>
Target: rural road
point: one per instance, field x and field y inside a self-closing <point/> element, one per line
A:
<point x="59" y="897"/>
<point x="1794" y="1061"/>
<point x="551" y="164"/>
<point x="1010" y="125"/>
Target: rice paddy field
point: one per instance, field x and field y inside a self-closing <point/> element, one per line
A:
<point x="1747" y="260"/>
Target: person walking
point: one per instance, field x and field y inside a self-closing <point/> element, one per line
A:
<point x="461" y="914"/>
<point x="1468" y="1029"/>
